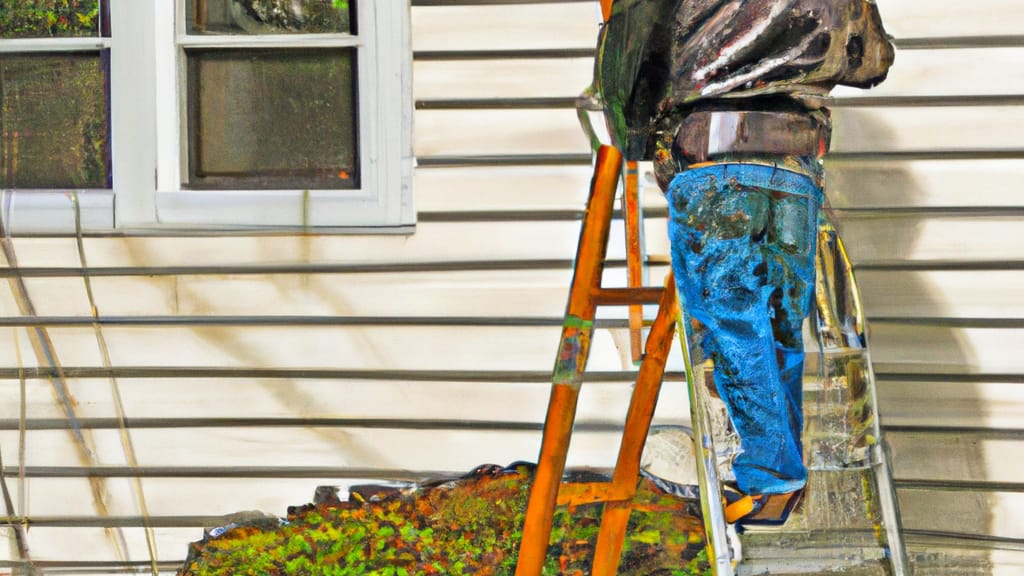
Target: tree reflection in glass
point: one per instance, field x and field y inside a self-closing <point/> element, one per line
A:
<point x="268" y="16"/>
<point x="54" y="126"/>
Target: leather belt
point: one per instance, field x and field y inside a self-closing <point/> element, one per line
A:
<point x="705" y="135"/>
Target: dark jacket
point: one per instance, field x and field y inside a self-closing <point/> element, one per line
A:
<point x="659" y="59"/>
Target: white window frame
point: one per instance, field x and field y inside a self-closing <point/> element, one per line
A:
<point x="149" y="140"/>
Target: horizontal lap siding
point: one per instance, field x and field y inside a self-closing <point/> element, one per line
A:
<point x="934" y="270"/>
<point x="908" y="294"/>
<point x="502" y="188"/>
<point x="858" y="130"/>
<point x="334" y="359"/>
<point x="963" y="184"/>
<point x="917" y="73"/>
<point x="360" y="403"/>
<point x="316" y="347"/>
<point x="433" y="242"/>
<point x="949" y="18"/>
<point x="977" y="402"/>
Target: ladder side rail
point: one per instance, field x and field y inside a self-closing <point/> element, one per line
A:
<point x="711" y="497"/>
<point x="570" y="364"/>
<point x="632" y="218"/>
<point x="615" y="517"/>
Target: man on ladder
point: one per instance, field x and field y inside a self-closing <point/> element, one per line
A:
<point x="728" y="98"/>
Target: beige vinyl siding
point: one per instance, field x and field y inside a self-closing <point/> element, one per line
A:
<point x="254" y="367"/>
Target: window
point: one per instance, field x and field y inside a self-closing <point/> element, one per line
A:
<point x="264" y="118"/>
<point x="54" y="113"/>
<point x="206" y="113"/>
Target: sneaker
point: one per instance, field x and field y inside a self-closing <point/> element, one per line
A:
<point x="761" y="509"/>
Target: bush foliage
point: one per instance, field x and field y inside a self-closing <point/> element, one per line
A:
<point x="467" y="526"/>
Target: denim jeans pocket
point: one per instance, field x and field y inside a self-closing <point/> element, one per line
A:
<point x="793" y="224"/>
<point x="732" y="213"/>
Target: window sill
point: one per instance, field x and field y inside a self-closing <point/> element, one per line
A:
<point x="52" y="213"/>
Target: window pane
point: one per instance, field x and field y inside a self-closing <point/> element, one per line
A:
<point x="49" y="18"/>
<point x="268" y="16"/>
<point x="272" y="119"/>
<point x="54" y="121"/>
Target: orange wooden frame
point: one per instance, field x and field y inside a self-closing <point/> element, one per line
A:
<point x="586" y="294"/>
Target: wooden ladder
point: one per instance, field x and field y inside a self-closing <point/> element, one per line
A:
<point x="548" y="490"/>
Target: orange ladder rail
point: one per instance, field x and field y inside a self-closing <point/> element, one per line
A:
<point x="632" y="215"/>
<point x="586" y="294"/>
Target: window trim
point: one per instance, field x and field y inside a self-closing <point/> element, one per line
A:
<point x="148" y="136"/>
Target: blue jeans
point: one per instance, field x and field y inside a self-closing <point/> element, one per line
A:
<point x="743" y="248"/>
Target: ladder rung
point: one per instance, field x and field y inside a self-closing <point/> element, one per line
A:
<point x="580" y="493"/>
<point x="627" y="296"/>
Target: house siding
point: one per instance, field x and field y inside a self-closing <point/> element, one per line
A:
<point x="253" y="367"/>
